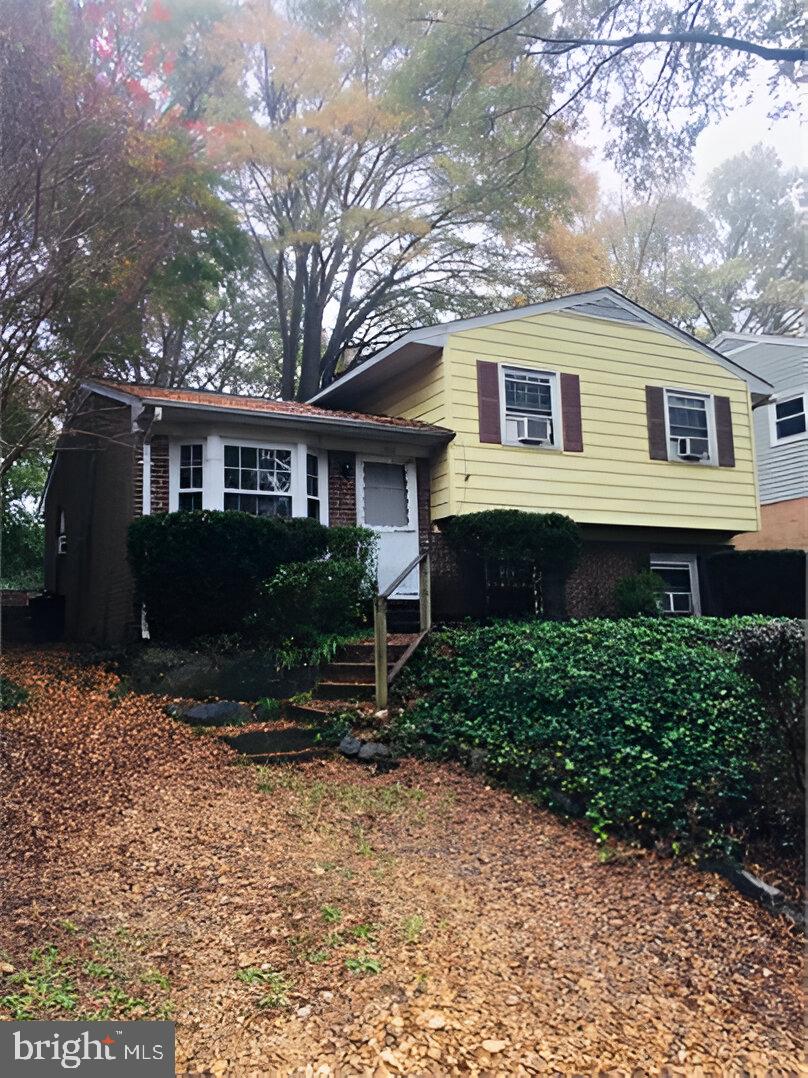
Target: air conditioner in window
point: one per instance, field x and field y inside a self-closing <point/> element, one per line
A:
<point x="693" y="448"/>
<point x="534" y="430"/>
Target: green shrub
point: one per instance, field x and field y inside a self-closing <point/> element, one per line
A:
<point x="639" y="594"/>
<point x="551" y="540"/>
<point x="11" y="694"/>
<point x="644" y="726"/>
<point x="305" y="601"/>
<point x="201" y="574"/>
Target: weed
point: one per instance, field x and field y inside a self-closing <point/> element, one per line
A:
<point x="318" y="957"/>
<point x="68" y="926"/>
<point x="363" y="964"/>
<point x="412" y="927"/>
<point x="335" y="939"/>
<point x="98" y="969"/>
<point x="365" y="932"/>
<point x="154" y="976"/>
<point x="276" y="984"/>
<point x="363" y="846"/>
<point x="267" y="709"/>
<point x="331" y="914"/>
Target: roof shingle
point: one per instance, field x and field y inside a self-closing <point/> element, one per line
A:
<point x="209" y="399"/>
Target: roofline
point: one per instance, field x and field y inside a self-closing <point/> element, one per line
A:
<point x="426" y="433"/>
<point x="759" y="338"/>
<point x="438" y="334"/>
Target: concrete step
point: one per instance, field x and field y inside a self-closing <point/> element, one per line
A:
<point x="345" y="690"/>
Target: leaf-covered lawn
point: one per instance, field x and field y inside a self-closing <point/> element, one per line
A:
<point x="412" y="923"/>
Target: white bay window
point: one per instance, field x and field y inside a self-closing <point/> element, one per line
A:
<point x="258" y="480"/>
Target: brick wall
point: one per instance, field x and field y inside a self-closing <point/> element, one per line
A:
<point x="590" y="587"/>
<point x="341" y="488"/>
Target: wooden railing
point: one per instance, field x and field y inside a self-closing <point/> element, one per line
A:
<point x="383" y="676"/>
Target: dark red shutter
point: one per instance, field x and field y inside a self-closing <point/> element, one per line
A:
<point x="723" y="433"/>
<point x="488" y="401"/>
<point x="655" y="417"/>
<point x="571" y="413"/>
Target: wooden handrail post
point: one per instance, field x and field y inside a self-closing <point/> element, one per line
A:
<point x="380" y="649"/>
<point x="425" y="594"/>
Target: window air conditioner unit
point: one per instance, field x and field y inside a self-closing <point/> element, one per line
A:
<point x="693" y="448"/>
<point x="534" y="430"/>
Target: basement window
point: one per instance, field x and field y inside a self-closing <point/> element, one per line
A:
<point x="680" y="575"/>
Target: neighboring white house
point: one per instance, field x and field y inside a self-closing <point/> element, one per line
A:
<point x="781" y="436"/>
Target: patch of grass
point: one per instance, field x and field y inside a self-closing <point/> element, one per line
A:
<point x="331" y="914"/>
<point x="317" y="957"/>
<point x="317" y="798"/>
<point x="276" y="984"/>
<point x="363" y="964"/>
<point x="68" y="926"/>
<point x="46" y="988"/>
<point x="412" y="927"/>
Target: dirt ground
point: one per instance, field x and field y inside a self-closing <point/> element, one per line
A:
<point x="322" y="920"/>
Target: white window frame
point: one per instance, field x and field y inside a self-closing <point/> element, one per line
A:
<point x="412" y="501"/>
<point x="200" y="490"/>
<point x="555" y="407"/>
<point x="294" y="478"/>
<point x="678" y="561"/>
<point x="710" y="412"/>
<point x="213" y="490"/>
<point x="787" y="396"/>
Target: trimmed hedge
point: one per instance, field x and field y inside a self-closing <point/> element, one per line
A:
<point x="551" y="540"/>
<point x="202" y="574"/>
<point x="649" y="728"/>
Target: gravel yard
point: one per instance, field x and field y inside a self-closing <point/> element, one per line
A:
<point x="319" y="919"/>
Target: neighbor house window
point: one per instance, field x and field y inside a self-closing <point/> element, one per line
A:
<point x="789" y="418"/>
<point x="190" y="494"/>
<point x="313" y="486"/>
<point x="258" y="480"/>
<point x="689" y="426"/>
<point x="680" y="577"/>
<point x="529" y="403"/>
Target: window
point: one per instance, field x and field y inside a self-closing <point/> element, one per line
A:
<point x="789" y="418"/>
<point x="258" y="480"/>
<point x="529" y="408"/>
<point x="190" y="496"/>
<point x="678" y="571"/>
<point x="313" y="486"/>
<point x="385" y="495"/>
<point x="689" y="426"/>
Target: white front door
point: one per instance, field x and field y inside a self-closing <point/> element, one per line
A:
<point x="387" y="502"/>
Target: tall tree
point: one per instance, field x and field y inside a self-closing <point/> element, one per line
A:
<point x="372" y="166"/>
<point x="735" y="263"/>
<point x="662" y="71"/>
<point x="102" y="198"/>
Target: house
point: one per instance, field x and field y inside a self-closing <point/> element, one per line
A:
<point x="587" y="405"/>
<point x="781" y="437"/>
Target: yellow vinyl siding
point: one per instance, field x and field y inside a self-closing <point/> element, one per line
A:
<point x="613" y="481"/>
<point x="418" y="394"/>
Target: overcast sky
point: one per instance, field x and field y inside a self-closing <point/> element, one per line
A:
<point x="745" y="126"/>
